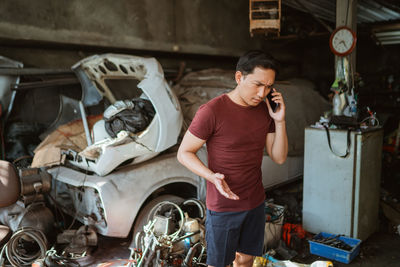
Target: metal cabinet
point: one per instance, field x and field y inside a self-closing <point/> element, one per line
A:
<point x="341" y="195"/>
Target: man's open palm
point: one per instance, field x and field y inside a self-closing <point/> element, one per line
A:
<point x="223" y="187"/>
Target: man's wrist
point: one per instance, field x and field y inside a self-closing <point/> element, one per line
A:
<point x="210" y="177"/>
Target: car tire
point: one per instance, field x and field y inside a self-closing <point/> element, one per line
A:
<point x="141" y="218"/>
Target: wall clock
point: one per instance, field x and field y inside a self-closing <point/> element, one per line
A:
<point x="342" y="41"/>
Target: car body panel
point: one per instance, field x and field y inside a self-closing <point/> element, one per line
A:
<point x="111" y="203"/>
<point x="162" y="132"/>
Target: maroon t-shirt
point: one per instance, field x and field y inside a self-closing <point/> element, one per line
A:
<point x="235" y="143"/>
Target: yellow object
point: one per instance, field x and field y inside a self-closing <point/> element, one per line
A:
<point x="259" y="262"/>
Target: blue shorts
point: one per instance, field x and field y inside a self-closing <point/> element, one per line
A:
<point x="231" y="232"/>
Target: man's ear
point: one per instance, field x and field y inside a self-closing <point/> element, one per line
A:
<point x="239" y="77"/>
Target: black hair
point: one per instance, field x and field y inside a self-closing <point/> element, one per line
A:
<point x="256" y="58"/>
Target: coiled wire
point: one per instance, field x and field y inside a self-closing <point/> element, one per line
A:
<point x="18" y="256"/>
<point x="161" y="205"/>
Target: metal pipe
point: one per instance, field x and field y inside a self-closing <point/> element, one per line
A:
<point x="85" y="123"/>
<point x="47" y="83"/>
<point x="33" y="71"/>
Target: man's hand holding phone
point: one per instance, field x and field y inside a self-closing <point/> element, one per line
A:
<point x="276" y="105"/>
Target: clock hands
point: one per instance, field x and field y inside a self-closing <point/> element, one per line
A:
<point x="343" y="43"/>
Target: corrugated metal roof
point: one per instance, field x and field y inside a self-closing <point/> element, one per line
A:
<point x="368" y="11"/>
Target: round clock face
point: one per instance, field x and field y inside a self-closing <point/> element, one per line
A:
<point x="342" y="41"/>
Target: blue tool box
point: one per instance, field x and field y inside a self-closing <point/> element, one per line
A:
<point x="334" y="253"/>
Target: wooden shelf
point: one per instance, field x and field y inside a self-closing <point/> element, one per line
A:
<point x="265" y="18"/>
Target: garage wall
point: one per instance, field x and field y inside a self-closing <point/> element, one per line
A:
<point x="189" y="26"/>
<point x="202" y="33"/>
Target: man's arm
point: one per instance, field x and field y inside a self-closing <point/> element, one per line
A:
<point x="277" y="143"/>
<point x="187" y="157"/>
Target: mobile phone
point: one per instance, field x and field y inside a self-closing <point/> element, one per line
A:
<point x="273" y="105"/>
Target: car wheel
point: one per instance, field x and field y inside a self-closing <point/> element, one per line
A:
<point x="142" y="217"/>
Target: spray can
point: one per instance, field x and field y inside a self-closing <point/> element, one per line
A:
<point x="337" y="104"/>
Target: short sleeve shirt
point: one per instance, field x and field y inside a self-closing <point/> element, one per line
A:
<point x="235" y="137"/>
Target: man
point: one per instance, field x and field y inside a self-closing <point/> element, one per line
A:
<point x="236" y="127"/>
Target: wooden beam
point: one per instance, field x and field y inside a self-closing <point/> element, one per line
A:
<point x="346" y="15"/>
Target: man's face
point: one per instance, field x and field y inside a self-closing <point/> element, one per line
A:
<point x="254" y="87"/>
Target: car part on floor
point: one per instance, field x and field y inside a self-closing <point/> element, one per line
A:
<point x="82" y="237"/>
<point x="34" y="183"/>
<point x="35" y="215"/>
<point x="30" y="209"/>
<point x="79" y="242"/>
<point x="170" y="238"/>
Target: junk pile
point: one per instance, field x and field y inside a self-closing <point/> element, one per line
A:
<point x="73" y="247"/>
<point x="171" y="236"/>
<point x="282" y="239"/>
<point x="24" y="214"/>
<point x="174" y="234"/>
<point x="146" y="122"/>
<point x="286" y="243"/>
<point x="28" y="225"/>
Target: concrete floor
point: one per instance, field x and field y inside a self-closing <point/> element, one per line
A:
<point x="380" y="250"/>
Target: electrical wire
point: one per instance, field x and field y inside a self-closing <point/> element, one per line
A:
<point x="16" y="254"/>
<point x="52" y="259"/>
<point x="275" y="224"/>
<point x="373" y="121"/>
<point x="169" y="238"/>
<point x="57" y="210"/>
<point x="57" y="205"/>
<point x="158" y="207"/>
<point x="201" y="207"/>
